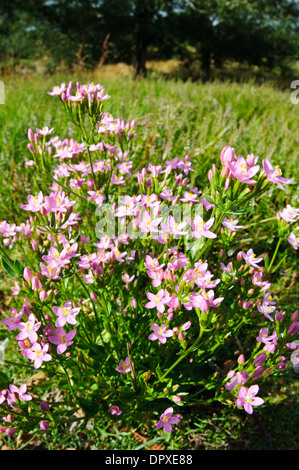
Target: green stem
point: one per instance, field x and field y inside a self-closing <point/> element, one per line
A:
<point x="274" y="256"/>
<point x="189" y="350"/>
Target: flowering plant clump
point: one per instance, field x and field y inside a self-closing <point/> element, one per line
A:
<point x="132" y="285"/>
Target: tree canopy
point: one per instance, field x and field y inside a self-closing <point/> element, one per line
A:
<point x="256" y="32"/>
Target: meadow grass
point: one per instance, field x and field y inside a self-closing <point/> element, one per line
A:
<point x="176" y="118"/>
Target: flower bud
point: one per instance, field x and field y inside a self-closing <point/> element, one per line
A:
<point x="294" y="315"/>
<point x="241" y="359"/>
<point x="27" y="274"/>
<point x="44" y="406"/>
<point x="93" y="296"/>
<point x="44" y="425"/>
<point x="260" y="359"/>
<point x="294" y="328"/>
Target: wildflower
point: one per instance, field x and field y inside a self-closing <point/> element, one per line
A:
<point x="152" y="263"/>
<point x="274" y="174"/>
<point x="239" y="378"/>
<point x="44" y="425"/>
<point x="13" y="321"/>
<point x="38" y="354"/>
<point x="167" y="419"/>
<point x="35" y="203"/>
<point x="157" y="276"/>
<point x="62" y="339"/>
<point x="266" y="309"/>
<point x="57" y="90"/>
<point x="269" y="341"/>
<point x="172" y="227"/>
<point x="147" y="224"/>
<point x="293" y="240"/>
<point x="289" y="214"/>
<point x="231" y="224"/>
<point x="114" y="410"/>
<point x="242" y="171"/>
<point x="250" y="258"/>
<point x="201" y="228"/>
<point x="15" y="289"/>
<point x="227" y="155"/>
<point x="124" y="366"/>
<point x="160" y="332"/>
<point x="45" y="130"/>
<point x="18" y="393"/>
<point x="29" y="329"/>
<point x="248" y="399"/>
<point x="158" y="301"/>
<point x="65" y="314"/>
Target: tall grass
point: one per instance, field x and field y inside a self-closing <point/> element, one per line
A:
<point x="173" y="118"/>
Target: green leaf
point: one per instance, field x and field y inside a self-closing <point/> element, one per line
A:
<point x="8" y="268"/>
<point x="18" y="267"/>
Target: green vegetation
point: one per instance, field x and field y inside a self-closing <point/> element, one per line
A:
<point x="174" y="118"/>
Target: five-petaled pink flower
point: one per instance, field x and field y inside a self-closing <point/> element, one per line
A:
<point x="124" y="366"/>
<point x="15" y="394"/>
<point x="39" y="354"/>
<point x="66" y="314"/>
<point x="114" y="410"/>
<point x="248" y="399"/>
<point x="158" y="300"/>
<point x="274" y="174"/>
<point x="201" y="228"/>
<point x="167" y="419"/>
<point x="62" y="339"/>
<point x="250" y="258"/>
<point x="29" y="329"/>
<point x="160" y="332"/>
<point x="35" y="203"/>
<point x="242" y="171"/>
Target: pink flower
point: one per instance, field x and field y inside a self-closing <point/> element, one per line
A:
<point x="172" y="227"/>
<point x="29" y="329"/>
<point x="158" y="301"/>
<point x="227" y="155"/>
<point x="124" y="366"/>
<point x="66" y="314"/>
<point x="114" y="410"/>
<point x="240" y="377"/>
<point x="293" y="240"/>
<point x="242" y="171"/>
<point x="289" y="214"/>
<point x="248" y="399"/>
<point x="201" y="228"/>
<point x="57" y="90"/>
<point x="38" y="354"/>
<point x="266" y="309"/>
<point x="18" y="394"/>
<point x="160" y="332"/>
<point x="62" y="339"/>
<point x="45" y="130"/>
<point x="15" y="289"/>
<point x="274" y="174"/>
<point x="35" y="203"/>
<point x="147" y="224"/>
<point x="44" y="425"/>
<point x="231" y="224"/>
<point x="167" y="419"/>
<point x="250" y="258"/>
<point x="14" y="320"/>
<point x="152" y="263"/>
<point x="157" y="276"/>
